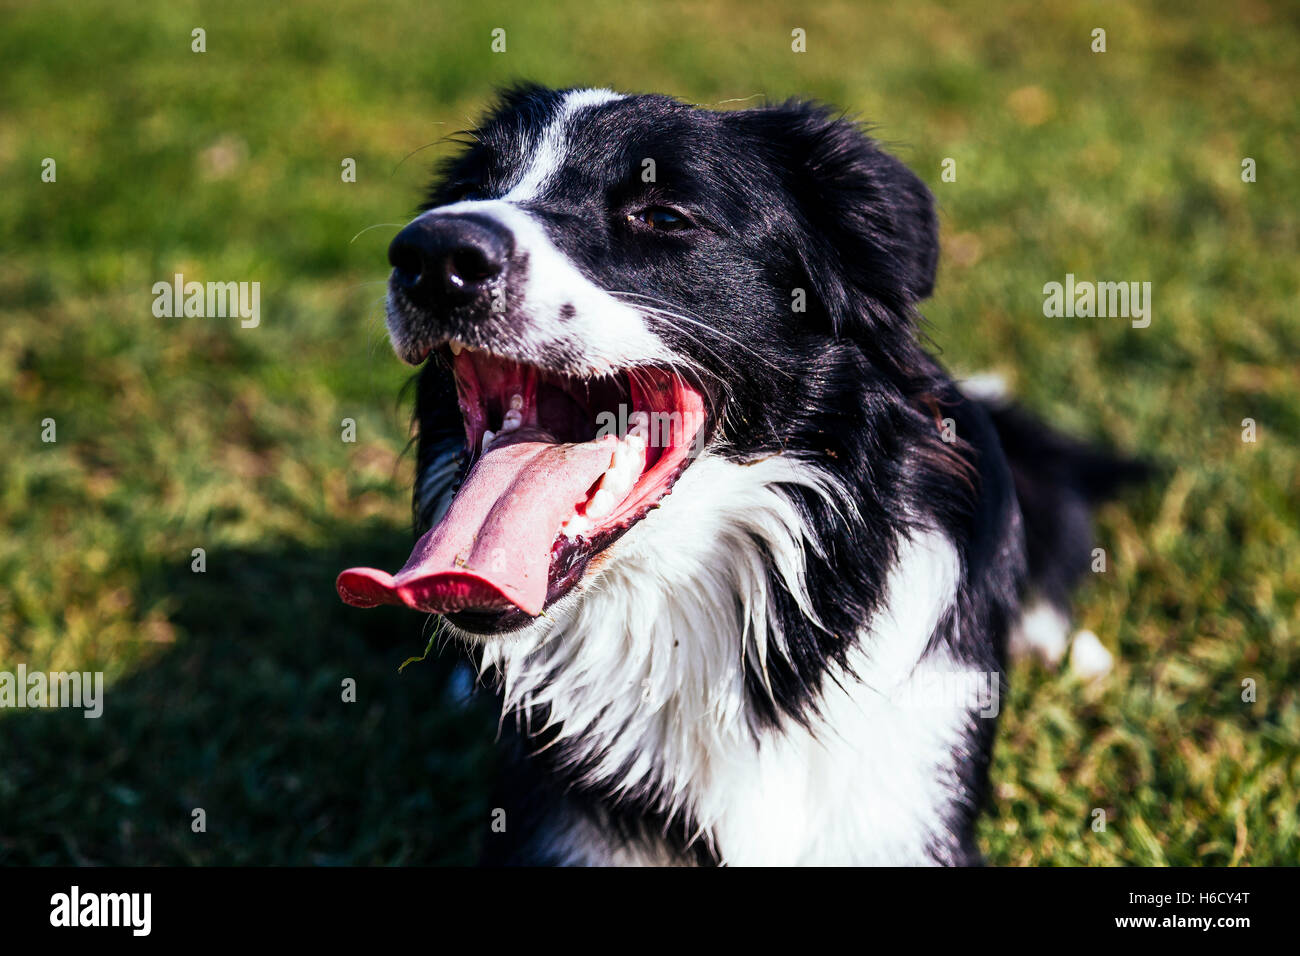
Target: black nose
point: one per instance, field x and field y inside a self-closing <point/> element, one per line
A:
<point x="449" y="259"/>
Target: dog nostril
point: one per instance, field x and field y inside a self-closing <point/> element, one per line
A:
<point x="407" y="264"/>
<point x="405" y="278"/>
<point x="469" y="266"/>
<point x="446" y="261"/>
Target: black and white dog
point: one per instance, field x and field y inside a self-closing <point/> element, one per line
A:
<point x="737" y="555"/>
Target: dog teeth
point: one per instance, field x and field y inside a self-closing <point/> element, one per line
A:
<point x="601" y="503"/>
<point x="625" y="465"/>
<point x="456" y="347"/>
<point x="624" y="469"/>
<point x="576" y="526"/>
<point x="618" y="461"/>
<point x="635" y="444"/>
<point x="488" y="438"/>
<point x="515" y="416"/>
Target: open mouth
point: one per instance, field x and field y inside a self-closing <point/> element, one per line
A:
<point x="559" y="468"/>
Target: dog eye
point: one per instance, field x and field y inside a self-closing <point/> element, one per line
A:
<point x="463" y="192"/>
<point x="661" y="219"/>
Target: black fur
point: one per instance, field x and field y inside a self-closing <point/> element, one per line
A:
<point x="792" y="197"/>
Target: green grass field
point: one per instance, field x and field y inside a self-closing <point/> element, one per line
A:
<point x="224" y="688"/>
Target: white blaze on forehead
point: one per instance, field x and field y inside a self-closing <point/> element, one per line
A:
<point x="549" y="149"/>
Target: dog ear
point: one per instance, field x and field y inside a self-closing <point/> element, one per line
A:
<point x="871" y="220"/>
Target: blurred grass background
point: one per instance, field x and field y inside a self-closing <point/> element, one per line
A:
<point x="224" y="687"/>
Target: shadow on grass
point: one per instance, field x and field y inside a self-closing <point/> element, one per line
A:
<point x="243" y="716"/>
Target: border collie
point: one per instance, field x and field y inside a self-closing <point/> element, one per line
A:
<point x="736" y="554"/>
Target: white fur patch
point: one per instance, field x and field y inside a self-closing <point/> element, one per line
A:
<point x="870" y="783"/>
<point x="642" y="668"/>
<point x="548" y="153"/>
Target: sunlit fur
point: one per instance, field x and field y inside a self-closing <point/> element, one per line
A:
<point x="735" y="680"/>
<point x="643" y="678"/>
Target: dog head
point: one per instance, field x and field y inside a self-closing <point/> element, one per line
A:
<point x="602" y="288"/>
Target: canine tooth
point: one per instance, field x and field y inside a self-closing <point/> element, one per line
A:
<point x="488" y="437"/>
<point x="513" y="419"/>
<point x="601" y="504"/>
<point x="610" y="480"/>
<point x="630" y="455"/>
<point x="617" y="482"/>
<point x="577" y="525"/>
<point x="623" y="471"/>
<point x="455" y="347"/>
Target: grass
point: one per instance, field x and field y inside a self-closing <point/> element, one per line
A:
<point x="224" y="688"/>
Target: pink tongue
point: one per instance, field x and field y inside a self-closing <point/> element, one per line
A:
<point x="492" y="550"/>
